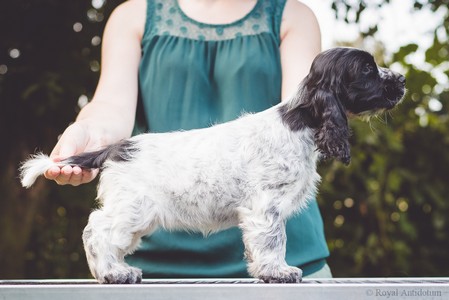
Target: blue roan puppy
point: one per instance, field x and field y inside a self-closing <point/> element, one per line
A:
<point x="254" y="172"/>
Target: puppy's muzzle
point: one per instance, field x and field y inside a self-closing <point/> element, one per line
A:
<point x="395" y="85"/>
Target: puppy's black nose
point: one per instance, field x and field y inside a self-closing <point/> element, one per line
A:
<point x="401" y="79"/>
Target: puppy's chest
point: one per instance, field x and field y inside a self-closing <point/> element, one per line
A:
<point x="285" y="155"/>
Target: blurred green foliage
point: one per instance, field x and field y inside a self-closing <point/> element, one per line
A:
<point x="385" y="214"/>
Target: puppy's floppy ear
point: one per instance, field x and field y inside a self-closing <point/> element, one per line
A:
<point x="332" y="133"/>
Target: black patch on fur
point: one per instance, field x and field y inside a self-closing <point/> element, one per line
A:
<point x="120" y="152"/>
<point x="297" y="118"/>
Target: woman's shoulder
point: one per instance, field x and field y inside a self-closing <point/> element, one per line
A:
<point x="298" y="16"/>
<point x="131" y="7"/>
<point x="295" y="8"/>
<point x="131" y="14"/>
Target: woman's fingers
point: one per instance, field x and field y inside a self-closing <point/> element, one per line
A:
<point x="70" y="175"/>
<point x="52" y="173"/>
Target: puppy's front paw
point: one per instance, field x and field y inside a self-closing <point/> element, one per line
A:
<point x="121" y="275"/>
<point x="286" y="275"/>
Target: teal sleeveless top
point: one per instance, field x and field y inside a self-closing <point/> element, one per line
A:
<point x="194" y="75"/>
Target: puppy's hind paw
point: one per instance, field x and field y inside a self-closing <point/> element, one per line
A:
<point x="288" y="275"/>
<point x="124" y="275"/>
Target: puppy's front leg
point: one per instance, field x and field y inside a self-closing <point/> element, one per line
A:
<point x="265" y="245"/>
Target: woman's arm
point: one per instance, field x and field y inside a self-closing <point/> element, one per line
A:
<point x="109" y="117"/>
<point x="300" y="43"/>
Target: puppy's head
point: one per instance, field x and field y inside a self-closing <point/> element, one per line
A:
<point x="354" y="79"/>
<point x="341" y="81"/>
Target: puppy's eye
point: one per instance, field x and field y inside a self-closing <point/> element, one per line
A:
<point x="367" y="69"/>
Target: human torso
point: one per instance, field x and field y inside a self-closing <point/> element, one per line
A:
<point x="194" y="74"/>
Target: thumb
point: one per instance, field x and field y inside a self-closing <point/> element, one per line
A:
<point x="72" y="141"/>
<point x="68" y="148"/>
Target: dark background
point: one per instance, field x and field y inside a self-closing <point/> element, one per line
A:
<point x="385" y="215"/>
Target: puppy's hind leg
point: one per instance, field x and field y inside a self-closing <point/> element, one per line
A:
<point x="265" y="245"/>
<point x="110" y="235"/>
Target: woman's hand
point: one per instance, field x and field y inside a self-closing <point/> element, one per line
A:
<point x="75" y="139"/>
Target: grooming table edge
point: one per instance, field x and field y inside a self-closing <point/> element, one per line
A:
<point x="235" y="289"/>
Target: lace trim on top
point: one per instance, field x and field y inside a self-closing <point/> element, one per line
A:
<point x="167" y="18"/>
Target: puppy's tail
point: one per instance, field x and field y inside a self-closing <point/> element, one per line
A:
<point x="31" y="169"/>
<point x="38" y="164"/>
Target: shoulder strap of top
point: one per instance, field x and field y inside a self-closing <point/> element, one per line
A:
<point x="277" y="7"/>
<point x="149" y="18"/>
